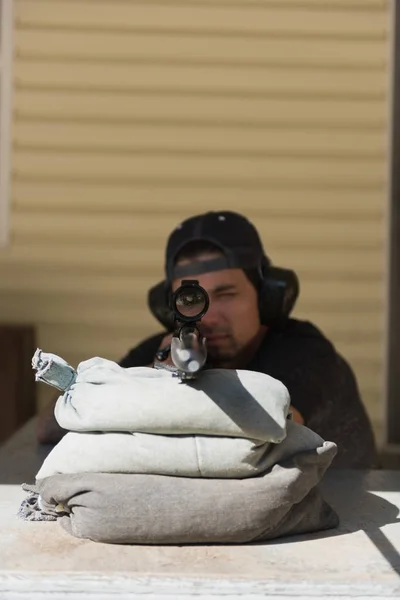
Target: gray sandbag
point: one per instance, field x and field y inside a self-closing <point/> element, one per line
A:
<point x="158" y="509"/>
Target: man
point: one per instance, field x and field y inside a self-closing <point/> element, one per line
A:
<point x="248" y="326"/>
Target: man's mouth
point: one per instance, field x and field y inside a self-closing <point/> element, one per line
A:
<point x="212" y="339"/>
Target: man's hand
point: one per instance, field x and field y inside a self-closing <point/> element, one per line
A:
<point x="166" y="341"/>
<point x="297" y="417"/>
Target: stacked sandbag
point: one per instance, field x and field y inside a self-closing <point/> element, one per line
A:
<point x="162" y="461"/>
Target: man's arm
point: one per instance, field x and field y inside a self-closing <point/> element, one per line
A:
<point x="323" y="388"/>
<point x="343" y="419"/>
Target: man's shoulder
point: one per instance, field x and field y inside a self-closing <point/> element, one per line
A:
<point x="299" y="331"/>
<point x="142" y="354"/>
<point x="296" y="344"/>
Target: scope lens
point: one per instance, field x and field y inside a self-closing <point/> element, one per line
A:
<point x="190" y="301"/>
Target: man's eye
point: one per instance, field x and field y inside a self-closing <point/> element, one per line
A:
<point x="227" y="295"/>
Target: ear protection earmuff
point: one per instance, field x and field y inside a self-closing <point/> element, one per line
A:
<point x="278" y="291"/>
<point x="159" y="305"/>
<point x="277" y="294"/>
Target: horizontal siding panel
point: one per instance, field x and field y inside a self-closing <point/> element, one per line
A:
<point x="200" y="140"/>
<point x="116" y="318"/>
<point x="142" y="231"/>
<point x="341" y="5"/>
<point x="161" y="109"/>
<point x="192" y="18"/>
<point x="109" y="46"/>
<point x="113" y="167"/>
<point x="367" y="5"/>
<point x="128" y="313"/>
<point x="333" y="291"/>
<point x="118" y="288"/>
<point x="354" y="293"/>
<point x="210" y="80"/>
<point x="62" y="340"/>
<point x="357" y="264"/>
<point x="267" y="203"/>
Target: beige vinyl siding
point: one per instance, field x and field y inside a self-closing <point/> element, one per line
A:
<point x="129" y="116"/>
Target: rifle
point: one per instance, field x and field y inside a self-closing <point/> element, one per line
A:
<point x="189" y="304"/>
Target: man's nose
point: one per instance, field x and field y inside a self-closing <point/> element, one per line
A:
<point x="212" y="316"/>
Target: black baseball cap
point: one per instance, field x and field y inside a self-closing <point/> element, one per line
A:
<point x="235" y="236"/>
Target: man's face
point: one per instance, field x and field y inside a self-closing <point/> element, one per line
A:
<point x="232" y="322"/>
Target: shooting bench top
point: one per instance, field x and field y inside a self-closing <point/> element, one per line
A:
<point x="358" y="560"/>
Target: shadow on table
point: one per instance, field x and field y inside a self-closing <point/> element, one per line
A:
<point x="351" y="494"/>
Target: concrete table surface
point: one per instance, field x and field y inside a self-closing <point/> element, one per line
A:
<point x="360" y="559"/>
